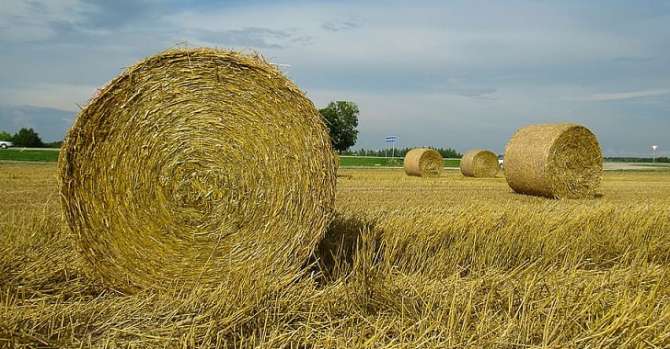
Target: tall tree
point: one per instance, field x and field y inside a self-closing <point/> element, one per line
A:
<point x="5" y="136"/>
<point x="342" y="120"/>
<point x="27" y="137"/>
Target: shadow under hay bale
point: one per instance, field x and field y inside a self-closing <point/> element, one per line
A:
<point x="345" y="238"/>
<point x="479" y="163"/>
<point x="194" y="164"/>
<point x="423" y="162"/>
<point x="554" y="160"/>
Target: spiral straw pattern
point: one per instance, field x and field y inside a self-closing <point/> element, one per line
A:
<point x="554" y="160"/>
<point x="423" y="162"/>
<point x="479" y="163"/>
<point x="194" y="164"/>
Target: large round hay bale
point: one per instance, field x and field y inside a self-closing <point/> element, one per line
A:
<point x="423" y="162"/>
<point x="479" y="163"/>
<point x="554" y="160"/>
<point x="195" y="164"/>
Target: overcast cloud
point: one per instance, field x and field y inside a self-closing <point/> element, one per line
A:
<point x="457" y="73"/>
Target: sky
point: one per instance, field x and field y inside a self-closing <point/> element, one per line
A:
<point x="459" y="74"/>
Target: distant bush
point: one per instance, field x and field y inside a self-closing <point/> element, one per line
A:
<point x="56" y="144"/>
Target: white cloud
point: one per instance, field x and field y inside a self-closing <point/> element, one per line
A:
<point x="600" y="97"/>
<point x="430" y="36"/>
<point x="22" y="20"/>
<point x="58" y="96"/>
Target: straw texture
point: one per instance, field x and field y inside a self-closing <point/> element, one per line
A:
<point x="194" y="164"/>
<point x="423" y="162"/>
<point x="479" y="163"/>
<point x="554" y="160"/>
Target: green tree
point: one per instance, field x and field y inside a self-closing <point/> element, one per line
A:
<point x="27" y="137"/>
<point x="5" y="136"/>
<point x="56" y="144"/>
<point x="341" y="117"/>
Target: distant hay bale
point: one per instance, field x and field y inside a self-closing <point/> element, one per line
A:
<point x="479" y="163"/>
<point x="554" y="160"/>
<point x="423" y="162"/>
<point x="195" y="164"/>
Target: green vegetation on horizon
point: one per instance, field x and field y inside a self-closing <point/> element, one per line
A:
<point x="346" y="161"/>
<point x="661" y="159"/>
<point x="17" y="154"/>
<point x="400" y="152"/>
<point x="372" y="161"/>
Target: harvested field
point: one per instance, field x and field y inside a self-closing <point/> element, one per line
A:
<point x="445" y="262"/>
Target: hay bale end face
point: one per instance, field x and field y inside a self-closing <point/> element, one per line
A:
<point x="554" y="160"/>
<point x="194" y="164"/>
<point x="479" y="163"/>
<point x="423" y="162"/>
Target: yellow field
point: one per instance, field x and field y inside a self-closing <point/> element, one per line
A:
<point x="448" y="262"/>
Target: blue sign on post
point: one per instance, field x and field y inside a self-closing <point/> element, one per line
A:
<point x="393" y="140"/>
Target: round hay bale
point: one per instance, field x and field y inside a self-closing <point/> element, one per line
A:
<point x="423" y="162"/>
<point x="194" y="165"/>
<point x="479" y="163"/>
<point x="554" y="160"/>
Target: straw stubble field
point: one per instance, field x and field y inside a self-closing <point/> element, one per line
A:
<point x="408" y="262"/>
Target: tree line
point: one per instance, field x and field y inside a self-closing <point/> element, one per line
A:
<point x="27" y="137"/>
<point x="663" y="159"/>
<point x="400" y="152"/>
